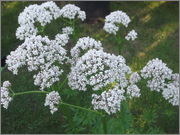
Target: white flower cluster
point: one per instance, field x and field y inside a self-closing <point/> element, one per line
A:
<point x="83" y="45"/>
<point x="171" y="93"/>
<point x="16" y="59"/>
<point x="5" y="97"/>
<point x="110" y="100"/>
<point x="33" y="14"/>
<point x="52" y="100"/>
<point x="132" y="89"/>
<point x="47" y="77"/>
<point x="157" y="72"/>
<point x="132" y="35"/>
<point x="114" y="18"/>
<point x="70" y="11"/>
<point x="171" y="90"/>
<point x="61" y="39"/>
<point x="98" y="69"/>
<point x="67" y="30"/>
<point x="134" y="78"/>
<point x="39" y="53"/>
<point x="110" y="28"/>
<point x="162" y="79"/>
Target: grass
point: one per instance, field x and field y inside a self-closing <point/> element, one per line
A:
<point x="157" y="26"/>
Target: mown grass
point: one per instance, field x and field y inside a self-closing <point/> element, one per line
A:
<point x="157" y="27"/>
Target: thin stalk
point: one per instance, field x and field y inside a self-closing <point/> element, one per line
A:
<point x="119" y="44"/>
<point x="104" y="122"/>
<point x="29" y="92"/>
<point x="81" y="108"/>
<point x="62" y="85"/>
<point x="2" y="68"/>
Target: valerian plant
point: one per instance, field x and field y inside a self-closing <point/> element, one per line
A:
<point x="106" y="77"/>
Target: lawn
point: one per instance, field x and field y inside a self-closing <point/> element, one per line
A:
<point x="157" y="25"/>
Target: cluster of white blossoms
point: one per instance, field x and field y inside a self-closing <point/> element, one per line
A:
<point x="52" y="100"/>
<point x="171" y="93"/>
<point x="171" y="90"/>
<point x="44" y="14"/>
<point x="161" y="78"/>
<point x="83" y="45"/>
<point x="110" y="100"/>
<point x="61" y="39"/>
<point x="5" y="97"/>
<point x="70" y="11"/>
<point x="98" y="69"/>
<point x="132" y="35"/>
<point x="67" y="30"/>
<point x="39" y="54"/>
<point x="34" y="14"/>
<point x="114" y="18"/>
<point x="134" y="78"/>
<point x="157" y="72"/>
<point x="110" y="28"/>
<point x="132" y="89"/>
<point x="47" y="77"/>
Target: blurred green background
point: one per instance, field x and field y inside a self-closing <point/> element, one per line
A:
<point x="157" y="25"/>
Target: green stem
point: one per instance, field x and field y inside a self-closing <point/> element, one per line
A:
<point x="119" y="44"/>
<point x="2" y="68"/>
<point x="81" y="108"/>
<point x="65" y="80"/>
<point x="104" y="124"/>
<point x="29" y="92"/>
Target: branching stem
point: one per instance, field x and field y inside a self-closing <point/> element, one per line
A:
<point x="29" y="92"/>
<point x="81" y="108"/>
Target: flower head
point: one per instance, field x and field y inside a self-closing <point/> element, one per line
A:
<point x="42" y="14"/>
<point x="67" y="30"/>
<point x="132" y="35"/>
<point x="40" y="54"/>
<point x="52" y="100"/>
<point x="109" y="101"/>
<point x="70" y="11"/>
<point x="133" y="91"/>
<point x="157" y="72"/>
<point x="98" y="69"/>
<point x="134" y="78"/>
<point x="114" y="18"/>
<point x="5" y="96"/>
<point x="83" y="45"/>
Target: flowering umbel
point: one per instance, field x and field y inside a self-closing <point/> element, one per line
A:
<point x="52" y="100"/>
<point x="5" y="95"/>
<point x="161" y="79"/>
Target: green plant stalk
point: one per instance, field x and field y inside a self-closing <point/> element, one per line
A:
<point x="63" y="103"/>
<point x="29" y="92"/>
<point x="104" y="122"/>
<point x="62" y="85"/>
<point x="81" y="108"/>
<point x="2" y="68"/>
<point x="119" y="44"/>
